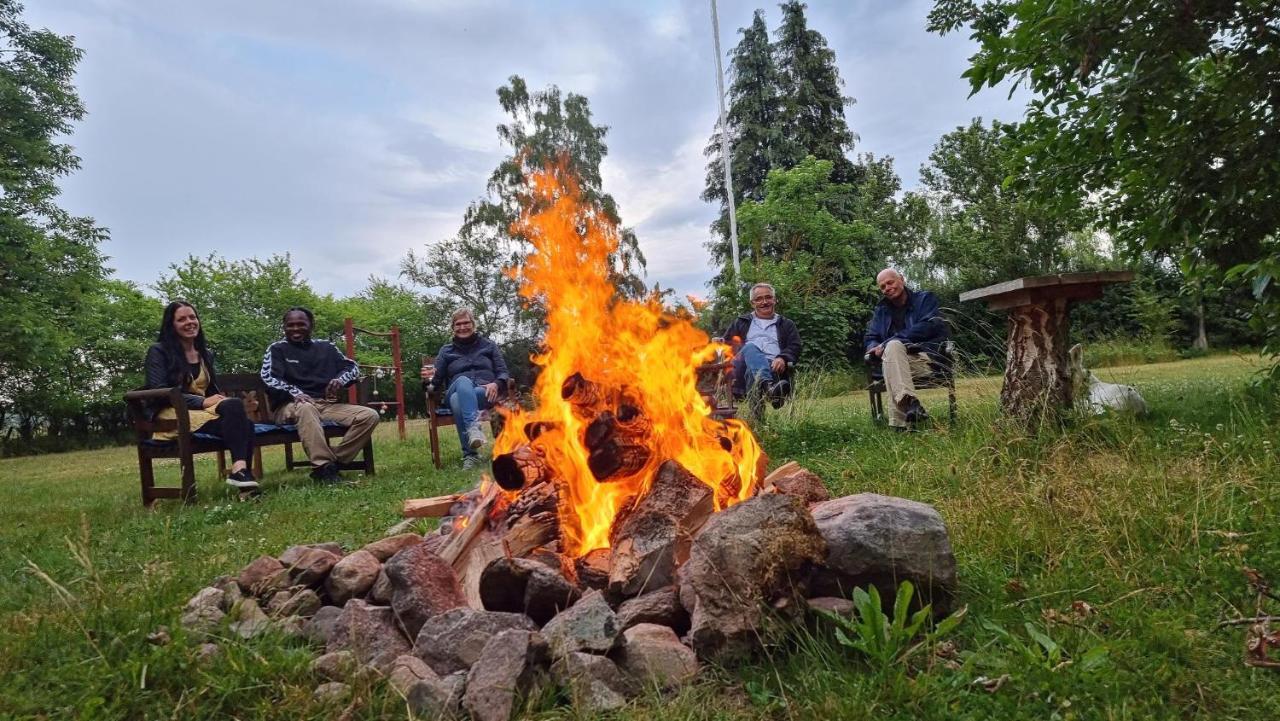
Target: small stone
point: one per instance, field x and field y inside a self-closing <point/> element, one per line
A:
<point x="301" y="601"/>
<point x="407" y="670"/>
<point x="805" y="485"/>
<point x="335" y="666"/>
<point x="254" y="577"/>
<point x="322" y="626"/>
<point x="423" y="585"/>
<point x="353" y="576"/>
<point x="588" y="625"/>
<point x="830" y="604"/>
<point x="231" y="591"/>
<point x="408" y="525"/>
<point x="653" y="655"/>
<point x="438" y="698"/>
<point x="159" y="637"/>
<point x="251" y="621"/>
<point x="291" y="626"/>
<point x="453" y="640"/>
<point x="207" y="652"/>
<point x="202" y="620"/>
<point x="510" y="664"/>
<point x="387" y="547"/>
<point x="208" y="597"/>
<point x="312" y="566"/>
<point x="595" y="683"/>
<point x="371" y="632"/>
<point x="661" y="607"/>
<point x="332" y="692"/>
<point x="380" y="593"/>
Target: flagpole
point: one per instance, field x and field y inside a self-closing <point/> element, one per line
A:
<point x="724" y="147"/>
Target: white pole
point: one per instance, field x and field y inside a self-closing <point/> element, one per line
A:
<point x="724" y="148"/>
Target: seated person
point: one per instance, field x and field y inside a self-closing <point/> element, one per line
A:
<point x="304" y="377"/>
<point x="472" y="371"/>
<point x="905" y="328"/>
<point x="181" y="358"/>
<point x="765" y="345"/>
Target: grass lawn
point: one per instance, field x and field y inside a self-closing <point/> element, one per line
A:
<point x="1147" y="521"/>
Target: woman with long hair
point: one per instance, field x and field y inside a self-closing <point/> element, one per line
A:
<point x="180" y="357"/>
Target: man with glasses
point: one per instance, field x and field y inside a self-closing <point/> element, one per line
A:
<point x="766" y="345"/>
<point x="471" y="370"/>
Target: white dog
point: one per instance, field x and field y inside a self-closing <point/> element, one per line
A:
<point x="1101" y="396"/>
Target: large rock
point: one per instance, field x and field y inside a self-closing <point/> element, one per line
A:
<point x="250" y="620"/>
<point x="511" y="663"/>
<point x="882" y="540"/>
<point x="654" y="656"/>
<point x="661" y="607"/>
<point x="323" y="625"/>
<point x="380" y="592"/>
<point x="352" y="576"/>
<point x="203" y="613"/>
<point x="370" y="632"/>
<point x="453" y="640"/>
<point x="292" y="554"/>
<point x="423" y="585"/>
<point x="259" y="574"/>
<point x="312" y="566"/>
<point x="439" y="698"/>
<point x="519" y="585"/>
<point x="231" y="591"/>
<point x="300" y="601"/>
<point x="407" y="670"/>
<point x="335" y="666"/>
<point x="595" y="683"/>
<point x="755" y="554"/>
<point x="331" y="692"/>
<point x="589" y="625"/>
<point x="385" y="548"/>
<point x="650" y="540"/>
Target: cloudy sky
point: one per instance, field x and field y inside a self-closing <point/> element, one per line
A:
<point x="346" y="133"/>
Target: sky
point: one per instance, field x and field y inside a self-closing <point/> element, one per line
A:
<point x="348" y="133"/>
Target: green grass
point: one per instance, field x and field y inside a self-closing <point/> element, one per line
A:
<point x="1148" y="521"/>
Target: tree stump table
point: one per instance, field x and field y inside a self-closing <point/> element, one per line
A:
<point x="1037" y="374"/>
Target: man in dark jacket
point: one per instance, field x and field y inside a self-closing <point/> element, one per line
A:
<point x="765" y="345"/>
<point x="906" y="327"/>
<point x="303" y="377"/>
<point x="472" y="371"/>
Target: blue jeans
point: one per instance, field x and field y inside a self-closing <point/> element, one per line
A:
<point x="751" y="366"/>
<point x="466" y="401"/>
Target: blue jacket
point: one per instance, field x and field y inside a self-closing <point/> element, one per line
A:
<point x="480" y="361"/>
<point x="924" y="327"/>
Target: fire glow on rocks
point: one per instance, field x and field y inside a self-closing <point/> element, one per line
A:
<point x="616" y="393"/>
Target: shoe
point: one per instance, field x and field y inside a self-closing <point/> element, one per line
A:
<point x="242" y="481"/>
<point x="469" y="462"/>
<point x="916" y="414"/>
<point x="475" y="437"/>
<point x="326" y="475"/>
<point x="778" y="392"/>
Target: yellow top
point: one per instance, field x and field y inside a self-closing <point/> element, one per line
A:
<point x="198" y="386"/>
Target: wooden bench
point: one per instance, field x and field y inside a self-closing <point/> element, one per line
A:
<point x="141" y="405"/>
<point x="943" y="376"/>
<point x="439" y="414"/>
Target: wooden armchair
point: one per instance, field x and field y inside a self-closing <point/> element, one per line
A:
<point x="439" y="414"/>
<point x="943" y="376"/>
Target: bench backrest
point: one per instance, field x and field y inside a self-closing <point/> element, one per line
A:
<point x="249" y="388"/>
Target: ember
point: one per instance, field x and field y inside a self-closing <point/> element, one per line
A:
<point x="616" y="394"/>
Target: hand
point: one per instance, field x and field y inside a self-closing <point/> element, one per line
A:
<point x="331" y="390"/>
<point x="491" y="391"/>
<point x="778" y="365"/>
<point x="213" y="401"/>
<point x="303" y="398"/>
<point x="877" y="351"/>
<point x="428" y="372"/>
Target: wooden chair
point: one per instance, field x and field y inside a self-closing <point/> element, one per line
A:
<point x="439" y="414"/>
<point x="141" y="404"/>
<point x="943" y="376"/>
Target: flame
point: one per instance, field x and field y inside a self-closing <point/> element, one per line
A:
<point x="634" y="360"/>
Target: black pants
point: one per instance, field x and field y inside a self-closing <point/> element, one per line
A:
<point x="235" y="429"/>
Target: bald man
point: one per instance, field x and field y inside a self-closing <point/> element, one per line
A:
<point x="905" y="332"/>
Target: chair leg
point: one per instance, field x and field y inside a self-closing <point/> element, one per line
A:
<point x="288" y="456"/>
<point x="368" y="458"/>
<point x="188" y="478"/>
<point x="258" y="470"/>
<point x="222" y="465"/>
<point x="951" y="401"/>
<point x="146" y="474"/>
<point x="435" y="443"/>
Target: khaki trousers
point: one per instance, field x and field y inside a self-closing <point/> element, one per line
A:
<point x="900" y="371"/>
<point x="359" y="420"/>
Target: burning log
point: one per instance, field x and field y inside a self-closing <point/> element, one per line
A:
<point x="525" y="466"/>
<point x="530" y="532"/>
<point x="651" y="539"/>
<point x="539" y="498"/>
<point x="475" y="523"/>
<point x="592" y="570"/>
<point x="616" y="460"/>
<point x="537" y="428"/>
<point x="582" y="394"/>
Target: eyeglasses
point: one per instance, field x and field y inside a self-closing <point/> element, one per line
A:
<point x="759" y="298"/>
<point x="462" y="323"/>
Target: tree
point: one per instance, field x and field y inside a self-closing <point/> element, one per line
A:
<point x="1159" y="121"/>
<point x="813" y="101"/>
<point x="471" y="269"/>
<point x="49" y="260"/>
<point x="241" y="304"/>
<point x="754" y="124"/>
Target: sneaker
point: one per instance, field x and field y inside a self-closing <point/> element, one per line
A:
<point x="778" y="392"/>
<point x="469" y="462"/>
<point x="475" y="437"/>
<point x="242" y="481"/>
<point x="916" y="414"/>
<point x="326" y="475"/>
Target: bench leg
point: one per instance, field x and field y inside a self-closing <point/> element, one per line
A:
<point x="951" y="401"/>
<point x="435" y="443"/>
<point x="146" y="473"/>
<point x="222" y="465"/>
<point x="288" y="456"/>
<point x="188" y="478"/>
<point x="258" y="470"/>
<point x="877" y="412"/>
<point x="368" y="458"/>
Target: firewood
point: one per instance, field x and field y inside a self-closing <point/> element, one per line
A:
<point x="614" y="460"/>
<point x="654" y="535"/>
<point x="534" y="429"/>
<point x="429" y="507"/>
<point x="459" y="540"/>
<point x="781" y="471"/>
<point x="583" y="395"/>
<point x="533" y="499"/>
<point x="530" y="532"/>
<point x="523" y="467"/>
<point x="599" y="430"/>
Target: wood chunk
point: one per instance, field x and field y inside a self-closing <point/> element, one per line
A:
<point x="651" y="540"/>
<point x="530" y="532"/>
<point x="781" y="471"/>
<point x="615" y="460"/>
<point x="521" y="468"/>
<point x="592" y="570"/>
<point x="459" y="540"/>
<point x="436" y="507"/>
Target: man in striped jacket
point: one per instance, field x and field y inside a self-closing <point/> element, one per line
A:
<point x="303" y="377"/>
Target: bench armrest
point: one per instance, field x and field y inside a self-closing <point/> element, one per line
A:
<point x="137" y="400"/>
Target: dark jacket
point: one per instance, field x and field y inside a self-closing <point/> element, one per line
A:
<point x="480" y="361"/>
<point x="291" y="369"/>
<point x="160" y="365"/>
<point x="788" y="337"/>
<point x="924" y="325"/>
